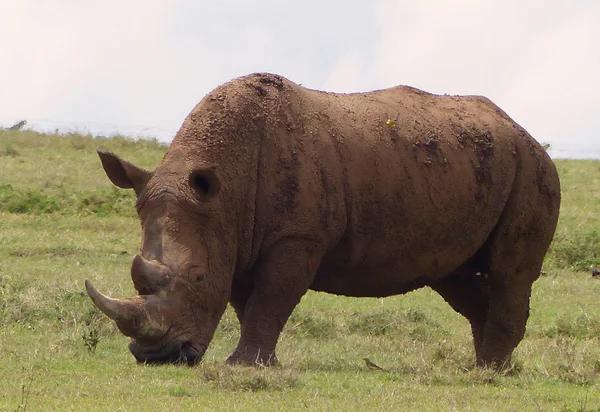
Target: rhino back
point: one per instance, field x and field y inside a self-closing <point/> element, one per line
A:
<point x="394" y="205"/>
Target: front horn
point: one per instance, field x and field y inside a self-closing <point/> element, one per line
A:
<point x="130" y="314"/>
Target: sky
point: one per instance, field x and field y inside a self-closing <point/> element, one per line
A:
<point x="138" y="68"/>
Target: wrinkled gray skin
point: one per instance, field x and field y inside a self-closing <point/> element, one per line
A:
<point x="270" y="189"/>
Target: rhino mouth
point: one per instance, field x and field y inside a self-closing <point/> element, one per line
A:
<point x="180" y="353"/>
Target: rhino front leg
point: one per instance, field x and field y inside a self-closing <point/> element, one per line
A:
<point x="280" y="279"/>
<point x="241" y="290"/>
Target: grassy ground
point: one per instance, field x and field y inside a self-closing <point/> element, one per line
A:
<point x="62" y="222"/>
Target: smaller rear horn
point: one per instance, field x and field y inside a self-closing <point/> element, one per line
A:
<point x="149" y="277"/>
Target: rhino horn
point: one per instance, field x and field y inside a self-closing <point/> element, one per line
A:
<point x="116" y="309"/>
<point x="129" y="314"/>
<point x="148" y="276"/>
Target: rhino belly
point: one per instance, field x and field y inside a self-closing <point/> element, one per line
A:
<point x="377" y="273"/>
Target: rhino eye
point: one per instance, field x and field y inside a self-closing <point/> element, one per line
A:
<point x="205" y="183"/>
<point x="197" y="274"/>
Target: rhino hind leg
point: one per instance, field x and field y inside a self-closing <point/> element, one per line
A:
<point x="513" y="257"/>
<point x="495" y="304"/>
<point x="466" y="291"/>
<point x="514" y="263"/>
<point x="505" y="325"/>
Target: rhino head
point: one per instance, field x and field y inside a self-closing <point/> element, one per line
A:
<point x="150" y="318"/>
<point x="189" y="251"/>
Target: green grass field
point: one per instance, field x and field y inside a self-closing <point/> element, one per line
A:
<point x="61" y="222"/>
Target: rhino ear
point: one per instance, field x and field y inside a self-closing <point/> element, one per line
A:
<point x="124" y="174"/>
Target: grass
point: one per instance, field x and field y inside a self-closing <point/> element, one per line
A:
<point x="62" y="222"/>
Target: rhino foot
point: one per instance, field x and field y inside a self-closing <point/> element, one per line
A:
<point x="249" y="357"/>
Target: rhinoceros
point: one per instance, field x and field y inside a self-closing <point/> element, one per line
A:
<point x="270" y="189"/>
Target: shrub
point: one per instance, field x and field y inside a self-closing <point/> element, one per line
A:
<point x="576" y="250"/>
<point x="105" y="202"/>
<point x="28" y="201"/>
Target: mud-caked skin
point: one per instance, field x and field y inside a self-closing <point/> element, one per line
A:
<point x="270" y="189"/>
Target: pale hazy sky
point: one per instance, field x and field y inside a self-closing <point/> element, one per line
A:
<point x="139" y="67"/>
